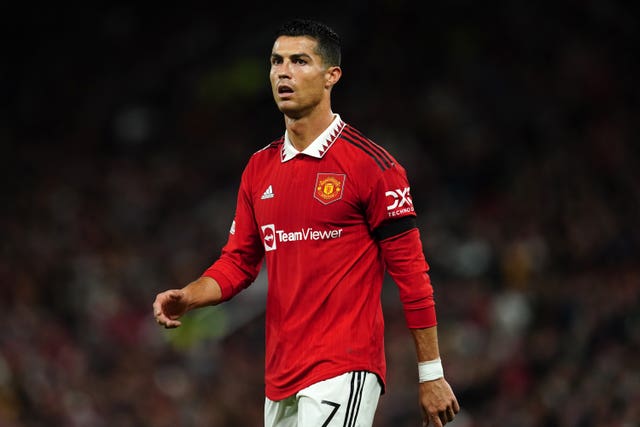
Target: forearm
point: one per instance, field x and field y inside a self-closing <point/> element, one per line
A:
<point x="426" y="342"/>
<point x="202" y="292"/>
<point x="407" y="266"/>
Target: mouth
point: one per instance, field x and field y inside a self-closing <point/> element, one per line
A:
<point x="285" y="90"/>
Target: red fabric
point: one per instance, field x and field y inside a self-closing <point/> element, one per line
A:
<point x="312" y="219"/>
<point x="408" y="268"/>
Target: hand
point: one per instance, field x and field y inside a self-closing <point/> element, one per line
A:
<point x="169" y="306"/>
<point x="438" y="402"/>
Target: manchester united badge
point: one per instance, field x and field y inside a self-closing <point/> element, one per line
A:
<point x="329" y="187"/>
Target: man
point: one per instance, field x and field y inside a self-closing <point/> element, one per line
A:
<point x="329" y="210"/>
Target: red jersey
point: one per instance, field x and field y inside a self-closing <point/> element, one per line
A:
<point x="328" y="220"/>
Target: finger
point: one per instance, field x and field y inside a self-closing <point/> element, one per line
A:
<point x="161" y="318"/>
<point x="171" y="324"/>
<point x="443" y="417"/>
<point x="437" y="422"/>
<point x="168" y="323"/>
<point x="158" y="313"/>
<point x="449" y="414"/>
<point x="444" y="414"/>
<point x="157" y="307"/>
<point x="158" y="303"/>
<point x="456" y="406"/>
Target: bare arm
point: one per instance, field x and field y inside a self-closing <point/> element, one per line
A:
<point x="172" y="304"/>
<point x="438" y="402"/>
<point x="426" y="341"/>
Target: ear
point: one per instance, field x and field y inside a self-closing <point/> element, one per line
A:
<point x="332" y="76"/>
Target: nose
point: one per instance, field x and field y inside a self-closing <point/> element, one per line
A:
<point x="284" y="70"/>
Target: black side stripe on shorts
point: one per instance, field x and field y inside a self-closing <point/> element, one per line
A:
<point x="355" y="397"/>
<point x="359" y="398"/>
<point x="393" y="228"/>
<point x="357" y="135"/>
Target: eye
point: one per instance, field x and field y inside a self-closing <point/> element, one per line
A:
<point x="299" y="61"/>
<point x="276" y="60"/>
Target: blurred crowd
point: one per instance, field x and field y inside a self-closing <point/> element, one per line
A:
<point x="124" y="131"/>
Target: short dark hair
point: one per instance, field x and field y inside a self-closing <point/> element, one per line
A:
<point x="329" y="44"/>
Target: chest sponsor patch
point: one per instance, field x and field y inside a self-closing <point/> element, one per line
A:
<point x="329" y="187"/>
<point x="271" y="236"/>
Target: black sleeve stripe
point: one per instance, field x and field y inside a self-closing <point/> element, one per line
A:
<point x="368" y="145"/>
<point x="378" y="148"/>
<point x="381" y="151"/>
<point x="374" y="148"/>
<point x="393" y="228"/>
<point x="352" y="142"/>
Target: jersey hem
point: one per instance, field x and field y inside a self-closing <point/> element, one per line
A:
<point x="276" y="394"/>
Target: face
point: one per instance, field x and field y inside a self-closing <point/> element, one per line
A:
<point x="300" y="80"/>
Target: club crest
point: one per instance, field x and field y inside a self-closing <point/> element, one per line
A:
<point x="329" y="187"/>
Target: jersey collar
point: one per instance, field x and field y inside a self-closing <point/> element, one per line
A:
<point x="319" y="146"/>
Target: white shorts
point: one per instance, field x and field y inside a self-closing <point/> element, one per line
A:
<point x="348" y="400"/>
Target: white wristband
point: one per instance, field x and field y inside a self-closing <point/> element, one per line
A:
<point x="430" y="370"/>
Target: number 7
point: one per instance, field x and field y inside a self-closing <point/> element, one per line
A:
<point x="333" y="412"/>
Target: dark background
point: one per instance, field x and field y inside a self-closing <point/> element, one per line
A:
<point x="124" y="130"/>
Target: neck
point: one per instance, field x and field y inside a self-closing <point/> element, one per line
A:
<point x="304" y="130"/>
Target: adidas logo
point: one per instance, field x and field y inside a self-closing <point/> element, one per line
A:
<point x="268" y="193"/>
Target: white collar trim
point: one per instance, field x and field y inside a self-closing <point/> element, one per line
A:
<point x="319" y="146"/>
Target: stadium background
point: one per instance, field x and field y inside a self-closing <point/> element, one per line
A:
<point x="124" y="129"/>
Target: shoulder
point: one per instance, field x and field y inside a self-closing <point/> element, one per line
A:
<point x="273" y="149"/>
<point x="367" y="153"/>
<point x="273" y="146"/>
<point x="263" y="156"/>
